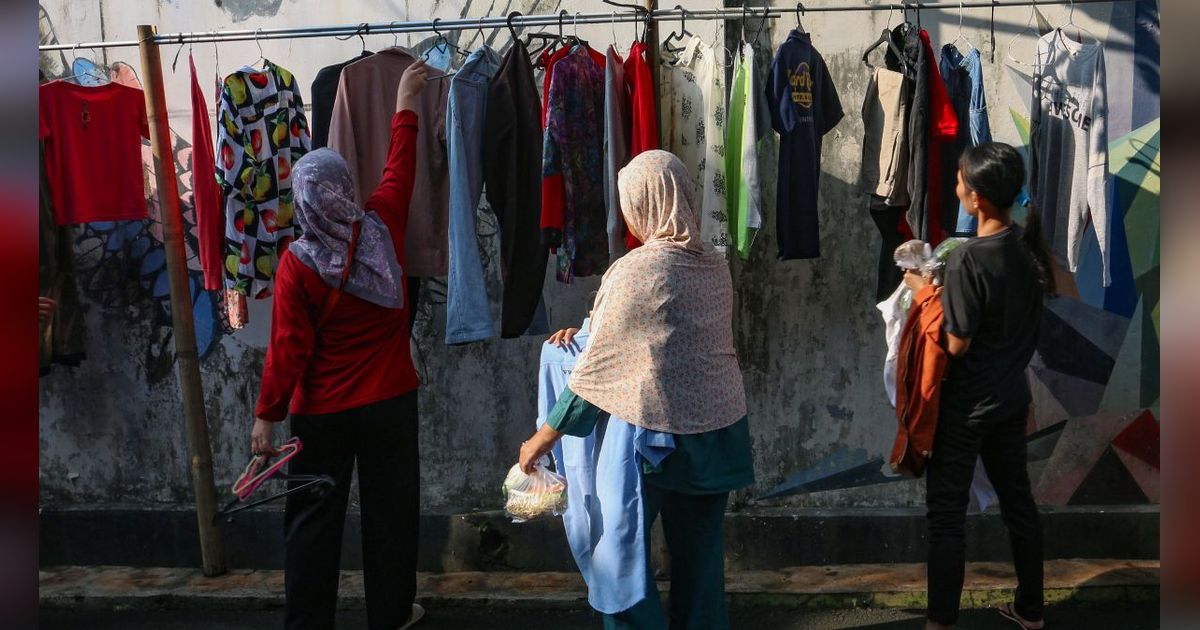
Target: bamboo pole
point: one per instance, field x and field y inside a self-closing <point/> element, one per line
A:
<point x="184" y="329"/>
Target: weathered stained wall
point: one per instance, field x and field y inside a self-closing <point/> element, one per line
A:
<point x="810" y="339"/>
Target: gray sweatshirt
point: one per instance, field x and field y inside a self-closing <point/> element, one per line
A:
<point x="1069" y="145"/>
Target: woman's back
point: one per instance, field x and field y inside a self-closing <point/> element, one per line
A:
<point x="993" y="298"/>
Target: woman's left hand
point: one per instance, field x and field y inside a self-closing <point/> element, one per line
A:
<point x="261" y="437"/>
<point x="536" y="446"/>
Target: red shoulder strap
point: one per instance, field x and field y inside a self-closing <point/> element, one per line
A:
<point x="331" y="298"/>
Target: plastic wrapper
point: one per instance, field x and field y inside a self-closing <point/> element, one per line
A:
<point x="540" y="494"/>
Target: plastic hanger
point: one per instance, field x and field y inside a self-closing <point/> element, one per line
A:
<point x="800" y="10"/>
<point x="886" y="38"/>
<point x="90" y="72"/>
<point x="639" y="10"/>
<point x="261" y="469"/>
<point x="681" y="35"/>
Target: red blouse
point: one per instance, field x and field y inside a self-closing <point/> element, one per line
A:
<point x="361" y="354"/>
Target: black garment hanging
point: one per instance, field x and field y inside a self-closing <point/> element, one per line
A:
<point x="324" y="93"/>
<point x="916" y="65"/>
<point x="512" y="174"/>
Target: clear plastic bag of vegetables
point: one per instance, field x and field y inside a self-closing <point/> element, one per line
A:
<point x="540" y="494"/>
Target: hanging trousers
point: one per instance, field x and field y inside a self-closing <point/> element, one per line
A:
<point x="382" y="438"/>
<point x="887" y="220"/>
<point x="1001" y="444"/>
<point x="693" y="527"/>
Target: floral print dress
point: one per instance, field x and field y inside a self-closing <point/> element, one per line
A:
<point x="694" y="121"/>
<point x="261" y="132"/>
<point x="573" y="159"/>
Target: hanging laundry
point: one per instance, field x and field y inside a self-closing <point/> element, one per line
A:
<point x="512" y="175"/>
<point x="748" y="124"/>
<point x="616" y="147"/>
<point x="643" y="120"/>
<point x="360" y="129"/>
<point x="804" y="107"/>
<point x="468" y="313"/>
<point x="324" y="93"/>
<point x="884" y="170"/>
<point x="62" y="339"/>
<point x="943" y="128"/>
<point x="93" y="145"/>
<point x="694" y="87"/>
<point x="206" y="194"/>
<point x="573" y="160"/>
<point x="1068" y="154"/>
<point x="262" y="131"/>
<point x="963" y="77"/>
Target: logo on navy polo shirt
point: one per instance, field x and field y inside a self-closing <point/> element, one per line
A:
<point x="802" y="85"/>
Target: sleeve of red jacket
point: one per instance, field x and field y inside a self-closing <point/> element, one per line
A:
<point x="293" y="332"/>
<point x="391" y="200"/>
<point x="552" y="154"/>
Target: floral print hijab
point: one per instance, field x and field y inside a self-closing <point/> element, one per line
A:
<point x="326" y="212"/>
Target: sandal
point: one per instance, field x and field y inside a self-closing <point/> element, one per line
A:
<point x="1008" y="611"/>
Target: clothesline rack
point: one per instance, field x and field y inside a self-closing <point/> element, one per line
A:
<point x="623" y="14"/>
<point x="149" y="43"/>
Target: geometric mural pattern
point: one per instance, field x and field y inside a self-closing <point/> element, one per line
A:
<point x="1094" y="430"/>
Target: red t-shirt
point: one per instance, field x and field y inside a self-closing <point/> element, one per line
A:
<point x="361" y="354"/>
<point x="943" y="128"/>
<point x="93" y="138"/>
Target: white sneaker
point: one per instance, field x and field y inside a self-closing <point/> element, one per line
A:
<point x="417" y="613"/>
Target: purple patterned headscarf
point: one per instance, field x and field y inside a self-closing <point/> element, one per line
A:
<point x="326" y="212"/>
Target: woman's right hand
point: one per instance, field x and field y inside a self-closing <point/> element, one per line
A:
<point x="563" y="337"/>
<point x="411" y="84"/>
<point x="261" y="438"/>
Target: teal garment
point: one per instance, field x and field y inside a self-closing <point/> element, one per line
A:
<point x="702" y="463"/>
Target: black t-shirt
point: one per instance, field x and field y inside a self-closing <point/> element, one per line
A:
<point x="992" y="297"/>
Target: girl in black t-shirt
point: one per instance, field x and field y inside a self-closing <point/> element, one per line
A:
<point x="992" y="302"/>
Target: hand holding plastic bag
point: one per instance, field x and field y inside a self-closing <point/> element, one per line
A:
<point x="542" y="493"/>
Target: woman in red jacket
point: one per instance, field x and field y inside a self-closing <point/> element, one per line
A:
<point x="992" y="303"/>
<point x="339" y="363"/>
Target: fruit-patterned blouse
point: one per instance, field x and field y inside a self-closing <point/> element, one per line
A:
<point x="261" y="132"/>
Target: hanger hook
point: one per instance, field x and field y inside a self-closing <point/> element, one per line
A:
<point x="577" y="26"/>
<point x="614" y="28"/>
<point x="366" y="30"/>
<point x="509" y="20"/>
<point x="561" y="14"/>
<point x="257" y="34"/>
<point x="435" y="28"/>
<point x="395" y="33"/>
<point x="682" y="19"/>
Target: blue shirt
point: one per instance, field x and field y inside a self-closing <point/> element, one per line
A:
<point x="963" y="76"/>
<point x="605" y="520"/>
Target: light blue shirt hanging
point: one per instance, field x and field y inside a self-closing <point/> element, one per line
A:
<point x="605" y="520"/>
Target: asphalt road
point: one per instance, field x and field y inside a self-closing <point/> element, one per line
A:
<point x="1089" y="616"/>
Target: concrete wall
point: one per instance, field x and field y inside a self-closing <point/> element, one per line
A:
<point x="810" y="339"/>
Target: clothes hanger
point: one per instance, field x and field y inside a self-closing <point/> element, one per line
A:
<point x="639" y="10"/>
<point x="1028" y="25"/>
<point x="261" y="56"/>
<point x="886" y="38"/>
<point x="718" y="40"/>
<point x="961" y="37"/>
<point x="512" y="30"/>
<point x="550" y="41"/>
<point x="93" y="71"/>
<point x="442" y="41"/>
<point x="175" y="61"/>
<point x="1079" y="30"/>
<point x="575" y="36"/>
<point x="363" y="29"/>
<point x="800" y="10"/>
<point x="680" y="35"/>
<point x="261" y="469"/>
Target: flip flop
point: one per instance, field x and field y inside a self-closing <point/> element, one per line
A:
<point x="1009" y="612"/>
<point x="417" y="613"/>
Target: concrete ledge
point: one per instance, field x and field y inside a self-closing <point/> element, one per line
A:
<point x="755" y="539"/>
<point x="832" y="587"/>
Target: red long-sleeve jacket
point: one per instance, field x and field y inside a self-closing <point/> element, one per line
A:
<point x="361" y="353"/>
<point x="920" y="367"/>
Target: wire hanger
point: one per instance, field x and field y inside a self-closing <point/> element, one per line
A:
<point x="363" y="29"/>
<point x="962" y="37"/>
<point x="800" y="10"/>
<point x="92" y="71"/>
<point x="175" y="61"/>
<point x="1028" y="25"/>
<point x="261" y="56"/>
<point x="395" y="33"/>
<point x="1079" y="30"/>
<point x="639" y="10"/>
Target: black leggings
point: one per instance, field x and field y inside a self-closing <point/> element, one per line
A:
<point x="382" y="437"/>
<point x="887" y="219"/>
<point x="956" y="446"/>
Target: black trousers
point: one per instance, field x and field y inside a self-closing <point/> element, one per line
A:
<point x="382" y="437"/>
<point x="956" y="446"/>
<point x="887" y="218"/>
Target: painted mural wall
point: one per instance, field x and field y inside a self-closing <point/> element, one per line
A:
<point x="810" y="340"/>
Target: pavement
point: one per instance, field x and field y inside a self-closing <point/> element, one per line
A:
<point x="1089" y="615"/>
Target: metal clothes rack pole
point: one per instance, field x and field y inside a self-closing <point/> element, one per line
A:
<point x="212" y="551"/>
<point x="344" y="30"/>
